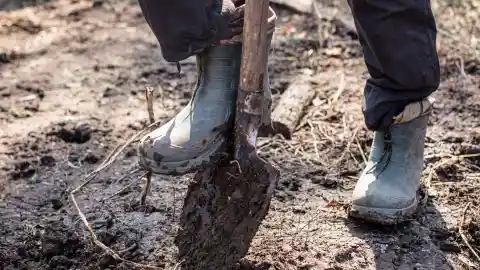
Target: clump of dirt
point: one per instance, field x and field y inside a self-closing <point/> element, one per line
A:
<point x="73" y="133"/>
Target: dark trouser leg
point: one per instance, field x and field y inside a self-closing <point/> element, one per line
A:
<point x="398" y="39"/>
<point x="187" y="27"/>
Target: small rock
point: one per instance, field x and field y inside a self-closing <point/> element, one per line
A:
<point x="56" y="204"/>
<point x="47" y="160"/>
<point x="71" y="133"/>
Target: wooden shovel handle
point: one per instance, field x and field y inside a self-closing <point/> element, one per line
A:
<point x="250" y="100"/>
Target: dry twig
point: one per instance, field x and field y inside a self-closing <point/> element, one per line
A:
<point x="149" y="98"/>
<point x="315" y="142"/>
<point x="151" y="116"/>
<point x="109" y="159"/>
<point x="101" y="245"/>
<point x="364" y="157"/>
<point x="148" y="185"/>
<point x="462" y="233"/>
<point x="340" y="89"/>
<point x="451" y="159"/>
<point x="124" y="188"/>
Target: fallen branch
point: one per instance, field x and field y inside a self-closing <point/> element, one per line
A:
<point x="291" y="107"/>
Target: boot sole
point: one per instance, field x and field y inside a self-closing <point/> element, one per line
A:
<point x="383" y="216"/>
<point x="177" y="168"/>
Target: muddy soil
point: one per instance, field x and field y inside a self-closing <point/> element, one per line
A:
<point x="72" y="81"/>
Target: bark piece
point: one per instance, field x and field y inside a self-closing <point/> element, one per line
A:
<point x="226" y="203"/>
<point x="291" y="106"/>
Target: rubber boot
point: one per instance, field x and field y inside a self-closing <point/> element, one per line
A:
<point x="199" y="132"/>
<point x="386" y="192"/>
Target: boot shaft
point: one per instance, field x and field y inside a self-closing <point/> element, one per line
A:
<point x="219" y="67"/>
<point x="386" y="192"/>
<point x="404" y="140"/>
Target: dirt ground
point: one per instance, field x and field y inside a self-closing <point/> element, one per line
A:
<point x="72" y="77"/>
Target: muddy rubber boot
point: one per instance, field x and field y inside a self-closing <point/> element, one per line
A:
<point x="386" y="192"/>
<point x="197" y="134"/>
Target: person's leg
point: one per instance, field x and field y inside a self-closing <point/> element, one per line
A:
<point x="186" y="27"/>
<point x="399" y="44"/>
<point x="197" y="133"/>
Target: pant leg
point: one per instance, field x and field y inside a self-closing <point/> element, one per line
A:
<point x="399" y="45"/>
<point x="186" y="27"/>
